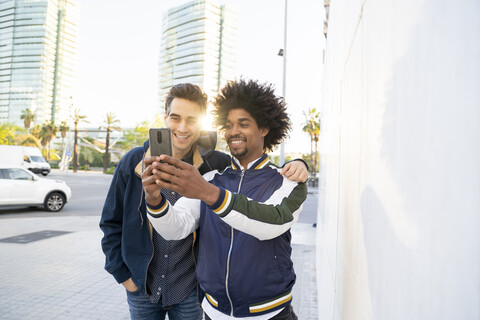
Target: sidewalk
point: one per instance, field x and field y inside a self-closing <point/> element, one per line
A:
<point x="61" y="276"/>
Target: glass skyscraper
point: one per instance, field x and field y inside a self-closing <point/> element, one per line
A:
<point x="198" y="45"/>
<point x="37" y="58"/>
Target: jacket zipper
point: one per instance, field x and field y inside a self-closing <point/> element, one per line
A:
<point x="230" y="251"/>
<point x="195" y="262"/>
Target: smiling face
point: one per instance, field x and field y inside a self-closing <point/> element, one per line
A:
<point x="244" y="137"/>
<point x="184" y="120"/>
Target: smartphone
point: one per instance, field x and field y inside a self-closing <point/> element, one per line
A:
<point x="160" y="141"/>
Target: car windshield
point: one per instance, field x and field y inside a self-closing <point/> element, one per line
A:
<point x="37" y="159"/>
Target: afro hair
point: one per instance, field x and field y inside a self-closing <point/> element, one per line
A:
<point x="260" y="101"/>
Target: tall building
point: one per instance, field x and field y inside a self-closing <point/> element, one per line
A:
<point x="37" y="58"/>
<point x="198" y="45"/>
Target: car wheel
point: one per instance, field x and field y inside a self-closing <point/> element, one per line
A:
<point x="44" y="173"/>
<point x="54" y="202"/>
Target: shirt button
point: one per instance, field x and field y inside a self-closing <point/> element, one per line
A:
<point x="173" y="192"/>
<point x="163" y="276"/>
<point x="166" y="256"/>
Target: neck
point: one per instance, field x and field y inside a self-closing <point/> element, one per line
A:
<point x="245" y="162"/>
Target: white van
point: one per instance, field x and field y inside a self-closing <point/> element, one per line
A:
<point x="26" y="157"/>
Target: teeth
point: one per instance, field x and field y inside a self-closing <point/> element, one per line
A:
<point x="182" y="137"/>
<point x="236" y="142"/>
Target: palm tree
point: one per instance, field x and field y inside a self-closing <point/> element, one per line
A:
<point x="312" y="128"/>
<point x="63" y="128"/>
<point x="42" y="134"/>
<point x="110" y="124"/>
<point x="48" y="131"/>
<point x="43" y="141"/>
<point x="36" y="131"/>
<point x="36" y="135"/>
<point x="77" y="117"/>
<point x="28" y="117"/>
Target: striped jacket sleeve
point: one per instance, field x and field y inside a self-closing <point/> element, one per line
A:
<point x="175" y="222"/>
<point x="265" y="220"/>
<point x="178" y="221"/>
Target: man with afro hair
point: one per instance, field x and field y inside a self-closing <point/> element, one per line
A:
<point x="243" y="214"/>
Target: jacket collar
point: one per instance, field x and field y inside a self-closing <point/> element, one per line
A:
<point x="255" y="165"/>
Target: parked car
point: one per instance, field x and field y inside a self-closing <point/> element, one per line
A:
<point x="19" y="186"/>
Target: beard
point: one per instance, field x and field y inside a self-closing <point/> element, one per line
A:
<point x="239" y="153"/>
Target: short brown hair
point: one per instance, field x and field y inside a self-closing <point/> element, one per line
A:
<point x="188" y="91"/>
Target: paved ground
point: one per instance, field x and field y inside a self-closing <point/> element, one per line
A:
<point x="62" y="275"/>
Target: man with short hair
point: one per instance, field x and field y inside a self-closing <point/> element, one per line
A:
<point x="243" y="213"/>
<point x="159" y="275"/>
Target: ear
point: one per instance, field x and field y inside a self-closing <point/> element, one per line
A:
<point x="264" y="131"/>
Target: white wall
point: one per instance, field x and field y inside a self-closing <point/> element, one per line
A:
<point x="399" y="230"/>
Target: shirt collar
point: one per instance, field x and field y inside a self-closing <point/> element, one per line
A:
<point x="188" y="157"/>
<point x="256" y="164"/>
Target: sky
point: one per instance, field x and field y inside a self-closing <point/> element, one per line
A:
<point x="119" y="49"/>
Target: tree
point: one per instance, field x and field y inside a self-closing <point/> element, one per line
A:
<point x="28" y="117"/>
<point x="47" y="132"/>
<point x="63" y="128"/>
<point x="39" y="133"/>
<point x="9" y="133"/>
<point x="31" y="141"/>
<point x="90" y="156"/>
<point x="110" y="124"/>
<point x="136" y="137"/>
<point x="312" y="128"/>
<point x="36" y="131"/>
<point x="77" y="118"/>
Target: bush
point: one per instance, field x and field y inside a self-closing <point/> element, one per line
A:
<point x="85" y="167"/>
<point x="90" y="157"/>
<point x="276" y="159"/>
<point x="110" y="170"/>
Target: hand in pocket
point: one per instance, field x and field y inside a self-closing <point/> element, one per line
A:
<point x="130" y="285"/>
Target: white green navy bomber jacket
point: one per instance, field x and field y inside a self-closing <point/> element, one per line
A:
<point x="244" y="260"/>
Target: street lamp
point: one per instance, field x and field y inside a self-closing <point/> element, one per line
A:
<point x="283" y="53"/>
